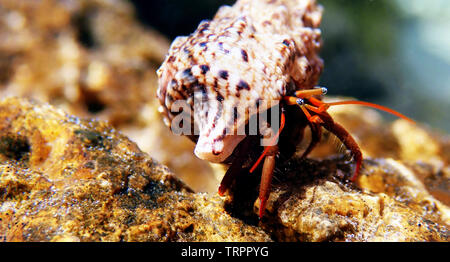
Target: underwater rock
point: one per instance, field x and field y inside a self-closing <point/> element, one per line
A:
<point x="93" y="59"/>
<point x="314" y="201"/>
<point x="401" y="194"/>
<point x="67" y="179"/>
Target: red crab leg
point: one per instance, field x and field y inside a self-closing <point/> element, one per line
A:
<point x="324" y="119"/>
<point x="234" y="169"/>
<point x="314" y="121"/>
<point x="346" y="138"/>
<point x="292" y="100"/>
<point x="266" y="177"/>
<point x="269" y="155"/>
<point x="340" y="132"/>
<point x="266" y="149"/>
<point x="229" y="176"/>
<point x="316" y="134"/>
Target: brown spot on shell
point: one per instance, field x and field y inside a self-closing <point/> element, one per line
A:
<point x="223" y="74"/>
<point x="267" y="23"/>
<point x="204" y="68"/>
<point x="244" y="55"/>
<point x="219" y="97"/>
<point x="242" y="85"/>
<point x="204" y="25"/>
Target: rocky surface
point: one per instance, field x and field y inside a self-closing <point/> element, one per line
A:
<point x="67" y="179"/>
<point x="392" y="199"/>
<point x="312" y="201"/>
<point x="402" y="194"/>
<point x="93" y="59"/>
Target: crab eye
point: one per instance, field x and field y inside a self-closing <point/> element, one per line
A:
<point x="324" y="90"/>
<point x="300" y="101"/>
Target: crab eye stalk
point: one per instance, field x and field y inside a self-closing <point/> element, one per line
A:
<point x="324" y="90"/>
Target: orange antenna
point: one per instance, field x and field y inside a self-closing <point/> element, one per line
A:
<point x="383" y="108"/>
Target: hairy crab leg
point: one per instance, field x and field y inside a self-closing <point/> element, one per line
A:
<point x="324" y="119"/>
<point x="346" y="138"/>
<point x="321" y="118"/>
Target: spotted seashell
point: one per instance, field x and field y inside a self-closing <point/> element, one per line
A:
<point x="238" y="64"/>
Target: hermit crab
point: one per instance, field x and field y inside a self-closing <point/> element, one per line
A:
<point x="243" y="88"/>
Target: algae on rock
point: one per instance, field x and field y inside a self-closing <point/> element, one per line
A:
<point x="67" y="179"/>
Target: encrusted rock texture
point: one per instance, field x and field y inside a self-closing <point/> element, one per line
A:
<point x="402" y="195"/>
<point x="93" y="59"/>
<point x="67" y="177"/>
